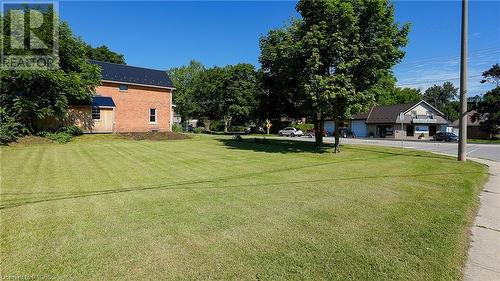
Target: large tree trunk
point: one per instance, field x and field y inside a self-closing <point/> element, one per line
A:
<point x="318" y="129"/>
<point x="336" y="146"/>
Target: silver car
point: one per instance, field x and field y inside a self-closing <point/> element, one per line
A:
<point x="290" y="131"/>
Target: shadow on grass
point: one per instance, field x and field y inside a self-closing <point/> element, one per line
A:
<point x="298" y="146"/>
<point x="275" y="146"/>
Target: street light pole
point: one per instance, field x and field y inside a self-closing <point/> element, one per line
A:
<point x="462" y="135"/>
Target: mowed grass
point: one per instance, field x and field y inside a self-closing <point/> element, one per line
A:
<point x="104" y="208"/>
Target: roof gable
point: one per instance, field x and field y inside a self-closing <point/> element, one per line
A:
<point x="388" y="113"/>
<point x="133" y="75"/>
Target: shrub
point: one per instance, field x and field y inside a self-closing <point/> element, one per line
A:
<point x="10" y="130"/>
<point x="177" y="128"/>
<point x="198" y="130"/>
<point x="305" y="127"/>
<point x="60" y="137"/>
<point x="216" y="125"/>
<point x="237" y="128"/>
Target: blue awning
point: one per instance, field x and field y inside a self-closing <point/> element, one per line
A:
<point x="100" y="101"/>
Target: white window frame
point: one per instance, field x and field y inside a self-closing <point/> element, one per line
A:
<point x="156" y="115"/>
<point x="92" y="113"/>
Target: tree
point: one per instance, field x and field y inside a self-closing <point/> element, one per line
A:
<point x="30" y="95"/>
<point x="490" y="109"/>
<point x="279" y="75"/>
<point x="227" y="93"/>
<point x="442" y="97"/>
<point x="387" y="93"/>
<point x="184" y="79"/>
<point x="336" y="54"/>
<point x="489" y="106"/>
<point x="492" y="75"/>
<point x="103" y="53"/>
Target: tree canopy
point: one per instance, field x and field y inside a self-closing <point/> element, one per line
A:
<point x="30" y="95"/>
<point x="103" y="53"/>
<point x="489" y="106"/>
<point x="334" y="55"/>
<point x="223" y="94"/>
<point x="444" y="97"/>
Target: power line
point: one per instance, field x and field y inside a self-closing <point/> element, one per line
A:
<point x="471" y="54"/>
<point x="435" y="81"/>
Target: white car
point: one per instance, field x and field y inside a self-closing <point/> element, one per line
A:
<point x="290" y="131"/>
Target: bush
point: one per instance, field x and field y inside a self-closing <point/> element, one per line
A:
<point x="177" y="128"/>
<point x="60" y="137"/>
<point x="198" y="130"/>
<point x="216" y="125"/>
<point x="10" y="130"/>
<point x="305" y="127"/>
<point x="237" y="128"/>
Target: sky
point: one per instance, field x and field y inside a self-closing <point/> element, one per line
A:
<point x="164" y="34"/>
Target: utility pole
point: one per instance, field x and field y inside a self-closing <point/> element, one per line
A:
<point x="462" y="135"/>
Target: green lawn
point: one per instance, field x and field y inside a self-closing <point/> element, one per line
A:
<point x="483" y="141"/>
<point x="104" y="208"/>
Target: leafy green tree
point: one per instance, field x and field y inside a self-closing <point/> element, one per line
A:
<point x="27" y="96"/>
<point x="337" y="52"/>
<point x="103" y="53"/>
<point x="387" y="93"/>
<point x="279" y="76"/>
<point x="489" y="107"/>
<point x="227" y="93"/>
<point x="492" y="75"/>
<point x="442" y="97"/>
<point x="185" y="79"/>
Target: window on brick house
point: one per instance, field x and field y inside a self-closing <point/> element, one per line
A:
<point x="152" y="115"/>
<point x="96" y="113"/>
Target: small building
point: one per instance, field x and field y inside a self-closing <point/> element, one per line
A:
<point x="420" y="119"/>
<point x="473" y="126"/>
<point x="129" y="99"/>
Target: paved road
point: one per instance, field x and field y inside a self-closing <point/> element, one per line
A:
<point x="484" y="151"/>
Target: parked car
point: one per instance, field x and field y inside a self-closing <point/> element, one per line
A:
<point x="348" y="134"/>
<point x="311" y="133"/>
<point x="290" y="131"/>
<point x="442" y="136"/>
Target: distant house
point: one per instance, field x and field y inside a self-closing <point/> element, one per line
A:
<point x="129" y="99"/>
<point x="383" y="121"/>
<point x="473" y="126"/>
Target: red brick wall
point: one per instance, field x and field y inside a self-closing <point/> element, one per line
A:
<point x="132" y="107"/>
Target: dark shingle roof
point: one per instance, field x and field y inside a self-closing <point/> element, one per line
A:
<point x="134" y="75"/>
<point x="98" y="101"/>
<point x="388" y="113"/>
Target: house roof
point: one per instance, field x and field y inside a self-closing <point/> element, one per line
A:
<point x="133" y="75"/>
<point x="470" y="121"/>
<point x="388" y="113"/>
<point x="100" y="101"/>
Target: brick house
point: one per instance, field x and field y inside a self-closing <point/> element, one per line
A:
<point x="129" y="99"/>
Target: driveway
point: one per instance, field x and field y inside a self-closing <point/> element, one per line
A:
<point x="484" y="151"/>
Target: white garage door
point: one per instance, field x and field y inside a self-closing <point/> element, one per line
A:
<point x="359" y="128"/>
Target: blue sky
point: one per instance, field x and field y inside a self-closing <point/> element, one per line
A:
<point x="163" y="34"/>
